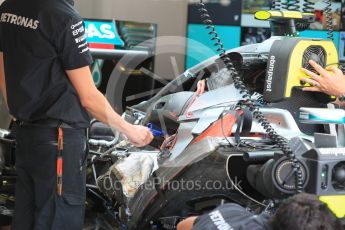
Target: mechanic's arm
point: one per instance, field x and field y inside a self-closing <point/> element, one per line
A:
<point x="2" y="78"/>
<point x="330" y="80"/>
<point x="187" y="224"/>
<point x="200" y="87"/>
<point x="98" y="106"/>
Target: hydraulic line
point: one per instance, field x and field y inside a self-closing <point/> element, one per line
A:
<point x="247" y="100"/>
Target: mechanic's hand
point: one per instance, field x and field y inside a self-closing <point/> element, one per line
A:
<point x="139" y="136"/>
<point x="330" y="81"/>
<point x="200" y="87"/>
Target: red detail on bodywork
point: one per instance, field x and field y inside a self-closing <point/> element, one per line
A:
<point x="101" y="46"/>
<point x="189" y="115"/>
<point x="219" y="128"/>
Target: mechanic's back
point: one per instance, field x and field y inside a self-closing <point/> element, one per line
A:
<point x="43" y="38"/>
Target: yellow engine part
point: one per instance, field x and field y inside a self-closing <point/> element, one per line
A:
<point x="336" y="204"/>
<point x="295" y="72"/>
<point x="272" y="14"/>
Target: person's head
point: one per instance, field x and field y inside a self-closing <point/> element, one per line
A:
<point x="305" y="212"/>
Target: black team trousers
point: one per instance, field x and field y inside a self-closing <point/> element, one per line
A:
<point x="37" y="204"/>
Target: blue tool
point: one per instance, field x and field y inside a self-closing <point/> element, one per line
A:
<point x="156" y="131"/>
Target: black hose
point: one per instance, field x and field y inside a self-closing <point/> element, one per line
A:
<point x="308" y="6"/>
<point x="329" y="19"/>
<point x="276" y="5"/>
<point x="247" y="100"/>
<point x="292" y="5"/>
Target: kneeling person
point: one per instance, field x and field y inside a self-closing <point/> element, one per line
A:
<point x="300" y="212"/>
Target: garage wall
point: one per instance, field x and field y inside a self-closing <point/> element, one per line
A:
<point x="170" y="16"/>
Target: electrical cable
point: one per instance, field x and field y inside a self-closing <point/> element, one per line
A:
<point x="329" y="19"/>
<point x="247" y="100"/>
<point x="265" y="144"/>
<point x="256" y="144"/>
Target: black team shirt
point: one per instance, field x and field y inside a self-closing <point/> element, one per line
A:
<point x="232" y="217"/>
<point x="40" y="39"/>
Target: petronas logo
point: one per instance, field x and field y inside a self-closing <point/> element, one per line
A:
<point x="97" y="72"/>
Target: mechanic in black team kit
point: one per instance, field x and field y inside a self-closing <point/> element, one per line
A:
<point x="47" y="84"/>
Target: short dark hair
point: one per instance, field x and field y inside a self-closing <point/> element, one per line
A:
<point x="305" y="212"/>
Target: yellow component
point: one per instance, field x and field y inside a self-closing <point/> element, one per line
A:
<point x="336" y="204"/>
<point x="292" y="14"/>
<point x="262" y="15"/>
<point x="276" y="13"/>
<point x="308" y="14"/>
<point x="296" y="59"/>
<point x="265" y="15"/>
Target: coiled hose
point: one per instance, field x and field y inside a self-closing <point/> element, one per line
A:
<point x="276" y="5"/>
<point x="329" y="19"/>
<point x="292" y="5"/>
<point x="247" y="100"/>
<point x="308" y="6"/>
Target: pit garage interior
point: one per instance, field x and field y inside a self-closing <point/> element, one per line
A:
<point x="234" y="97"/>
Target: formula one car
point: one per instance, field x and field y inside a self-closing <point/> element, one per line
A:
<point x="221" y="146"/>
<point x="254" y="125"/>
<point x="254" y="138"/>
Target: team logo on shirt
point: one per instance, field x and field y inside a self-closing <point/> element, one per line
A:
<point x="78" y="32"/>
<point x="77" y="25"/>
<point x="219" y="221"/>
<point x="19" y="20"/>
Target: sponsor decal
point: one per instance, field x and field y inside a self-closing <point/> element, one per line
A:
<point x="78" y="24"/>
<point x="218" y="220"/>
<point x="270" y="71"/>
<point x="82" y="45"/>
<point x="78" y="32"/>
<point x="80" y="39"/>
<point x="102" y="32"/>
<point x="19" y="20"/>
<point x="97" y="72"/>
